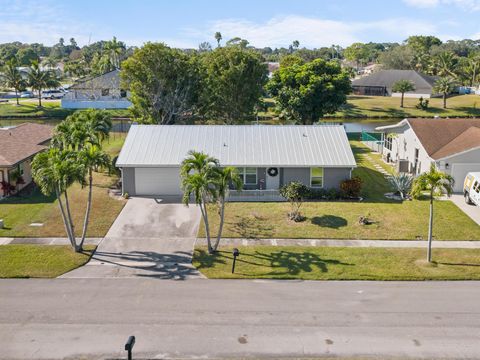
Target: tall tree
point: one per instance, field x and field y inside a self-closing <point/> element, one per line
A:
<point x="444" y="86"/>
<point x="164" y="83"/>
<point x="218" y="37"/>
<point x="225" y="178"/>
<point x="435" y="182"/>
<point x="54" y="171"/>
<point x="233" y="83"/>
<point x="12" y="77"/>
<point x="113" y="51"/>
<point x="40" y="79"/>
<point x="198" y="178"/>
<point x="403" y="86"/>
<point x="304" y="93"/>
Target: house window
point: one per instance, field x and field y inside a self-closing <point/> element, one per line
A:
<point x="388" y="142"/>
<point x="123" y="93"/>
<point x="21" y="169"/>
<point x="248" y="175"/>
<point x="316" y="177"/>
<point x="105" y="92"/>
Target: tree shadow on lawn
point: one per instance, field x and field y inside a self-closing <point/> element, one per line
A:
<point x="251" y="227"/>
<point x="330" y="221"/>
<point x="282" y="263"/>
<point x="31" y="197"/>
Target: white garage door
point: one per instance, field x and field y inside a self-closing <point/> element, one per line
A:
<point x="459" y="171"/>
<point x="157" y="181"/>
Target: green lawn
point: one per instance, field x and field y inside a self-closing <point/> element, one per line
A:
<point x="393" y="220"/>
<point x="385" y="106"/>
<point x="28" y="108"/>
<point x="19" y="212"/>
<point x="40" y="261"/>
<point x="333" y="263"/>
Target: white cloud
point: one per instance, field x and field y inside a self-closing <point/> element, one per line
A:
<point x="30" y="21"/>
<point x="467" y="5"/>
<point x="311" y="32"/>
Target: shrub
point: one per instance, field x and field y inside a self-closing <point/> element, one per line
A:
<point x="295" y="192"/>
<point x="402" y="183"/>
<point x="351" y="187"/>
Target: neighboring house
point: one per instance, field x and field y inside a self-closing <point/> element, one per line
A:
<point x="18" y="145"/>
<point x="267" y="156"/>
<point x="101" y="92"/>
<point x="453" y="145"/>
<point x="380" y="83"/>
<point x="272" y="67"/>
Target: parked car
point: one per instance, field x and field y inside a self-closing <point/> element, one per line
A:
<point x="26" y="95"/>
<point x="471" y="188"/>
<point x="52" y="94"/>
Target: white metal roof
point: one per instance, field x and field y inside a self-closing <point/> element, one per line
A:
<point x="238" y="145"/>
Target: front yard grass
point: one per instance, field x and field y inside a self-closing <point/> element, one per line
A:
<point x="389" y="107"/>
<point x="18" y="212"/>
<point x="393" y="220"/>
<point x="40" y="261"/>
<point x="331" y="263"/>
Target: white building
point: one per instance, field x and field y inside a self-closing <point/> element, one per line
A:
<point x="101" y="92"/>
<point x="453" y="145"/>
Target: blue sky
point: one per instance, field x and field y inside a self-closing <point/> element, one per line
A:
<point x="186" y="23"/>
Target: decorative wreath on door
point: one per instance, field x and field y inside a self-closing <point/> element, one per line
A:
<point x="272" y="171"/>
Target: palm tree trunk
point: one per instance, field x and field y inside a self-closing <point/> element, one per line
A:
<point x="430" y="229"/>
<point x="72" y="227"/>
<point x="401" y="101"/>
<point x="16" y="96"/>
<point x="64" y="217"/>
<point x="87" y="211"/>
<point x="39" y="98"/>
<point x="444" y="100"/>
<point x="203" y="209"/>
<point x="220" y="226"/>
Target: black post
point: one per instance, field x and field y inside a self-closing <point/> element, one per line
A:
<point x="129" y="346"/>
<point x="235" y="254"/>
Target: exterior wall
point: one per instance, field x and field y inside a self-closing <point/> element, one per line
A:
<point x="403" y="147"/>
<point x="332" y="177"/>
<point x="413" y="95"/>
<point x="295" y="174"/>
<point x="95" y="104"/>
<point x="128" y="180"/>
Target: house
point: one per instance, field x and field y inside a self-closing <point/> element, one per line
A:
<point x="18" y="145"/>
<point x="380" y="83"/>
<point x="453" y="145"/>
<point x="101" y="92"/>
<point x="272" y="67"/>
<point x="267" y="156"/>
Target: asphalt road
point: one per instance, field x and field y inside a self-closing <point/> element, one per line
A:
<point x="92" y="318"/>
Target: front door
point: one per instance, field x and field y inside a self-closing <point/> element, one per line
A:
<point x="273" y="178"/>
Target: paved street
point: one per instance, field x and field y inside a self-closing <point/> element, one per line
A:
<point x="206" y="318"/>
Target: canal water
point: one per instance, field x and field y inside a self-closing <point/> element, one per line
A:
<point x="122" y="125"/>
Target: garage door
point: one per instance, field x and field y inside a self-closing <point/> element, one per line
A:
<point x="459" y="171"/>
<point x="157" y="181"/>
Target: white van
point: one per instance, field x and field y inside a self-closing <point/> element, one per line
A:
<point x="471" y="188"/>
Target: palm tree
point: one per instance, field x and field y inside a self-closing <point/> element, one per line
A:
<point x="198" y="180"/>
<point x="225" y="177"/>
<point x="113" y="50"/>
<point x="218" y="37"/>
<point x="13" y="78"/>
<point x="435" y="182"/>
<point x="402" y="86"/>
<point x="40" y="79"/>
<point x="446" y="64"/>
<point x="54" y="171"/>
<point x="91" y="157"/>
<point x="444" y="86"/>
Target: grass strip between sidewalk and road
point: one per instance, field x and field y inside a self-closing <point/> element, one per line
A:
<point x="40" y="261"/>
<point x="328" y="263"/>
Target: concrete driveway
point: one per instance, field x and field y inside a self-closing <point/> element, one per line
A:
<point x="150" y="238"/>
<point x="471" y="210"/>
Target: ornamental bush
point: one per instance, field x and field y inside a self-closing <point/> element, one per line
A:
<point x="351" y="187"/>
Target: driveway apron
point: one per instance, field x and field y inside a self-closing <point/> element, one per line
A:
<point x="151" y="238"/>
